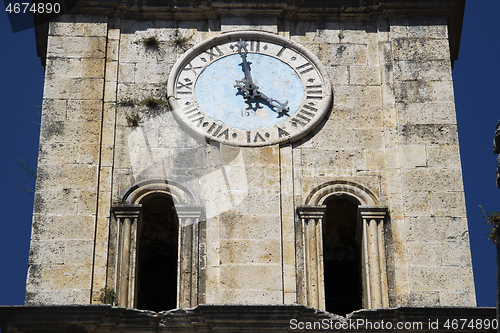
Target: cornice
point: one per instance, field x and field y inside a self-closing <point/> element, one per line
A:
<point x="294" y="10"/>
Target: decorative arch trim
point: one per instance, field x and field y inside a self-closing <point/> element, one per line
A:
<point x="135" y="193"/>
<point x="365" y="196"/>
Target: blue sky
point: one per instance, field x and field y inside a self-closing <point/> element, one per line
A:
<point x="477" y="92"/>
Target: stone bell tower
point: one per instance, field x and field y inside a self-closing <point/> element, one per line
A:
<point x="280" y="154"/>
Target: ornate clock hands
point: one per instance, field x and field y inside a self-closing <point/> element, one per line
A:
<point x="251" y="90"/>
<point x="248" y="88"/>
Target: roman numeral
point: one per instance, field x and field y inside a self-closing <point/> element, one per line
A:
<point x="190" y="67"/>
<point x="255" y="46"/>
<point x="281" y="51"/>
<point x="257" y="137"/>
<point x="307" y="67"/>
<point x="282" y="133"/>
<point x="187" y="86"/>
<point x="314" y="92"/>
<point x="302" y="118"/>
<point x="212" y="53"/>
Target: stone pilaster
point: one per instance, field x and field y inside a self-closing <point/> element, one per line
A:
<point x="192" y="258"/>
<point x="126" y="217"/>
<point x="309" y="251"/>
<point x="374" y="266"/>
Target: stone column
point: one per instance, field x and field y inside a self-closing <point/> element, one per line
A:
<point x="192" y="256"/>
<point x="310" y="256"/>
<point x="127" y="218"/>
<point x="375" y="287"/>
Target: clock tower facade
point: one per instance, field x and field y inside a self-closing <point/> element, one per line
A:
<point x="212" y="152"/>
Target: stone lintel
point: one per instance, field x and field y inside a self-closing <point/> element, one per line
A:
<point x="124" y="211"/>
<point x="220" y="318"/>
<point x="372" y="212"/>
<point x="311" y="212"/>
<point x="188" y="211"/>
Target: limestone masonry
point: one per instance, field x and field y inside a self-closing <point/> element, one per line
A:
<point x="125" y="190"/>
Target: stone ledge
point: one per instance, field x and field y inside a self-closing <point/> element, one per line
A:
<point x="295" y="10"/>
<point x="219" y="318"/>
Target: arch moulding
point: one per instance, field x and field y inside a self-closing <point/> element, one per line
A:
<point x="340" y="187"/>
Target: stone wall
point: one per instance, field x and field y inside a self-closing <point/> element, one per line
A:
<point x="391" y="129"/>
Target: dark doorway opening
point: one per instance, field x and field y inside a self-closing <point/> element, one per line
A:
<point x="342" y="256"/>
<point x="157" y="254"/>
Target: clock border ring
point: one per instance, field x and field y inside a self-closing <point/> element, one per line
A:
<point x="263" y="37"/>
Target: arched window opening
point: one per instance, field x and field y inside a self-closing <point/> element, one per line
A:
<point x="342" y="256"/>
<point x="157" y="254"/>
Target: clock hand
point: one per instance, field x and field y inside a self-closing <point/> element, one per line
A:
<point x="251" y="90"/>
<point x="282" y="109"/>
<point x="246" y="85"/>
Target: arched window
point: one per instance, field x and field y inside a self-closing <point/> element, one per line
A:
<point x="342" y="255"/>
<point x="157" y="249"/>
<point x="157" y="255"/>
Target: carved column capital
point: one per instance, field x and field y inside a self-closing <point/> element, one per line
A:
<point x="377" y="213"/>
<point x="121" y="212"/>
<point x="188" y="214"/>
<point x="311" y="212"/>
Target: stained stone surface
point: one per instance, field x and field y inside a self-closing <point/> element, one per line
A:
<point x="391" y="129"/>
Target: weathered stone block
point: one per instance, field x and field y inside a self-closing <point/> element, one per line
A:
<point x="87" y="202"/>
<point x="55" y="200"/>
<point x="436" y="229"/>
<point x="54" y="110"/>
<point x="364" y="76"/>
<point x="417" y="203"/>
<point x="436" y="278"/>
<point x="357" y="96"/>
<point x="76" y="47"/>
<point x="420" y="49"/>
<point x="418" y="27"/>
<point x="84" y="111"/>
<point x="73" y="88"/>
<point x="347" y="138"/>
<point x="420" y="91"/>
<point x="249" y="226"/>
<point x="427" y="298"/>
<point x="248" y="277"/>
<point x="47" y="252"/>
<point x="242" y="296"/>
<point x="321" y="159"/>
<point x="413" y="156"/>
<point x="427" y="113"/>
<point x="428" y="134"/>
<point x="457" y="299"/>
<point x="67" y="177"/>
<point x="259" y="23"/>
<point x="375" y="160"/>
<point x="338" y="75"/>
<point x="345" y="54"/>
<point x="66" y="131"/>
<point x="240" y="251"/>
<point x="448" y="204"/>
<point x="64" y="67"/>
<point x="432" y="179"/>
<point x="78" y="252"/>
<point x="443" y="156"/>
<point x="49" y="226"/>
<point x="93" y="68"/>
<point x="68" y="25"/>
<point x="422" y="70"/>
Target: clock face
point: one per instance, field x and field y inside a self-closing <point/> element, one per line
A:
<point x="249" y="89"/>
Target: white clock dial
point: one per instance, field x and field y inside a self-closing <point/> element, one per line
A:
<point x="249" y="89"/>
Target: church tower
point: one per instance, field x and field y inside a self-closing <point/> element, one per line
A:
<point x="286" y="154"/>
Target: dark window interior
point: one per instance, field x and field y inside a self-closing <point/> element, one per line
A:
<point x="157" y="255"/>
<point x="342" y="256"/>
